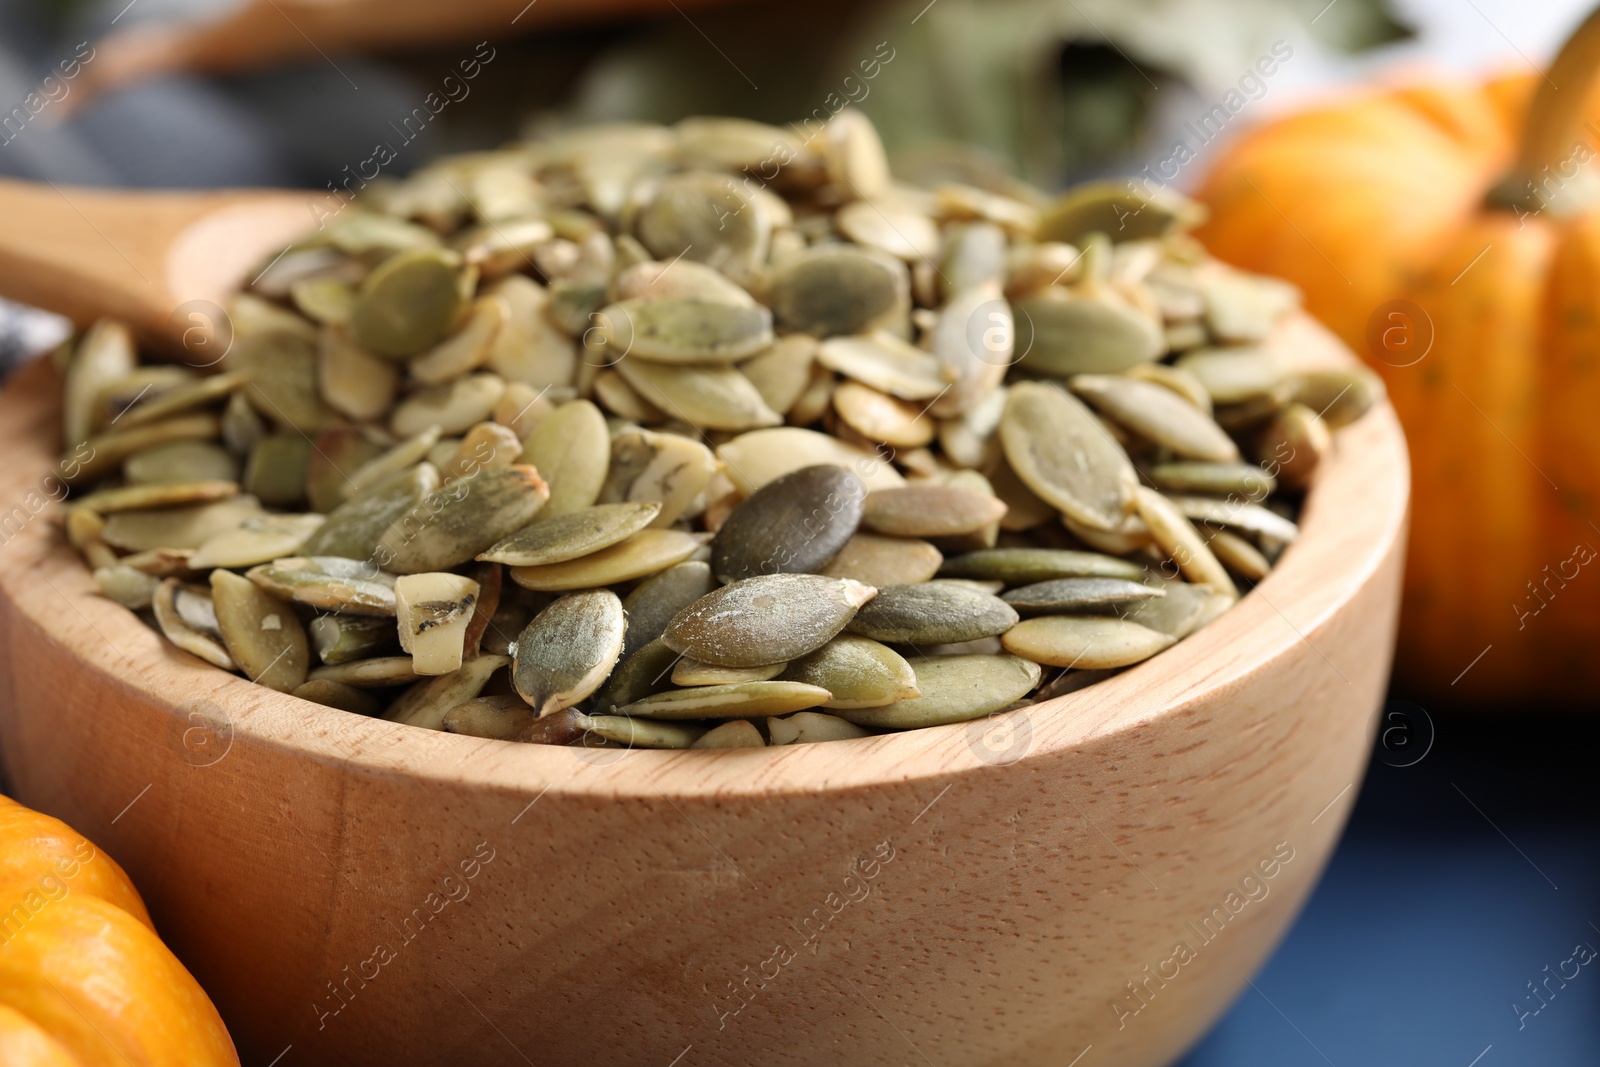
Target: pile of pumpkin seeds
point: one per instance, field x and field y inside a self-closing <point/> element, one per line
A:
<point x="704" y="436"/>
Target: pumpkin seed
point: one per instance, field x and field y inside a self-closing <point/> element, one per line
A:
<point x="878" y="417"/>
<point x="529" y="347"/>
<point x="1244" y="307"/>
<point x="1242" y="479"/>
<point x="1025" y="566"/>
<point x="468" y="348"/>
<point x="782" y="371"/>
<point x="876" y="560"/>
<point x="838" y="290"/>
<point x="434" y="612"/>
<point x="570" y="448"/>
<point x="194" y="640"/>
<point x="104" y="453"/>
<point x="454" y="524"/>
<point x="182" y="399"/>
<point x="261" y="632"/>
<point x="426" y="702"/>
<point x="760" y="456"/>
<point x="735" y="734"/>
<point x="1294" y="442"/>
<point x="929" y="511"/>
<point x="160" y="495"/>
<point x="1233" y="375"/>
<point x="1062" y="333"/>
<point x="857" y="672"/>
<point x="1124" y="210"/>
<point x="690" y="672"/>
<point x="1089" y="642"/>
<point x="486" y="445"/>
<point x="1157" y="414"/>
<point x="186" y="527"/>
<point x="1178" y="538"/>
<point x="641" y="554"/>
<point x="953" y="689"/>
<point x="522" y="406"/>
<point x="814" y="400"/>
<point x="734" y="701"/>
<point x="810" y="727"/>
<point x="766" y="619"/>
<point x="277" y="469"/>
<point x="658" y="599"/>
<point x="181" y="461"/>
<point x="1067" y="596"/>
<point x="1340" y="395"/>
<point x="974" y="340"/>
<point x="324" y="299"/>
<point x="683" y="330"/>
<point x="1061" y="452"/>
<point x="377" y="673"/>
<point x="105" y="354"/>
<point x="352" y="380"/>
<point x="1184" y="609"/>
<point x="453" y="407"/>
<point x="328" y="582"/>
<point x="794" y="523"/>
<point x="282" y="386"/>
<point x="569" y="536"/>
<point x="886" y="363"/>
<point x="398" y="458"/>
<point x="502" y="718"/>
<point x="854" y="155"/>
<point x="638" y="675"/>
<point x="354" y="528"/>
<point x="408" y="304"/>
<point x="932" y="613"/>
<point x="1237" y="554"/>
<point x="622" y="400"/>
<point x="568" y="650"/>
<point x="1237" y="514"/>
<point x="341" y="638"/>
<point x="713" y="398"/>
<point x="681" y="279"/>
<point x="641" y="733"/>
<point x="336" y="695"/>
<point x="706" y="218"/>
<point x="257" y="540"/>
<point x="895" y="231"/>
<point x="131" y="588"/>
<point x="665" y="468"/>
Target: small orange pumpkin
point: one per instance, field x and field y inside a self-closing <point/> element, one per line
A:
<point x="84" y="980"/>
<point x="1451" y="234"/>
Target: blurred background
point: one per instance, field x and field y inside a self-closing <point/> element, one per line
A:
<point x="1470" y="872"/>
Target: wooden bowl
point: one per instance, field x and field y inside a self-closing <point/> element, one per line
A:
<point x="1092" y="877"/>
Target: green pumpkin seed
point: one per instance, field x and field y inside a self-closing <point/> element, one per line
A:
<point x="656" y="600"/>
<point x="953" y="689"/>
<point x="1067" y="596"/>
<point x="261" y="632"/>
<point x="794" y="523"/>
<point x="1061" y="452"/>
<point x="330" y="583"/>
<point x="886" y="363"/>
<point x="876" y="560"/>
<point x="638" y="675"/>
<point x="282" y="386"/>
<point x="160" y="495"/>
<point x="690" y="672"/>
<point x="187" y="527"/>
<point x="570" y="448"/>
<point x="662" y="467"/>
<point x="679" y="280"/>
<point x="1183" y="610"/>
<point x="735" y="734"/>
<point x="1339" y="395"/>
<point x="974" y="340"/>
<point x="1235" y="375"/>
<point x="105" y="354"/>
<point x="277" y="469"/>
<point x="426" y="702"/>
<point x="858" y="673"/>
<point x="1178" y="538"/>
<point x="104" y="453"/>
<point x="485" y="446"/>
<point x="1122" y="209"/>
<point x="181" y="399"/>
<point x="622" y="400"/>
<point x="893" y="230"/>
<point x="1242" y="308"/>
<point x="181" y="461"/>
<point x="782" y="371"/>
<point x="712" y="398"/>
<point x="766" y="619"/>
<point x="929" y="511"/>
<point x="499" y="717"/>
<point x="202" y="642"/>
<point x="1295" y="442"/>
<point x="131" y="588"/>
<point x="1062" y="333"/>
<point x="881" y="418"/>
<point x="327" y="300"/>
<point x="452" y="525"/>
<point x="641" y="733"/>
<point x="392" y="461"/>
<point x="354" y="528"/>
<point x="341" y="638"/>
<point x="1237" y="514"/>
<point x="335" y="695"/>
<point x="707" y="218"/>
<point x="529" y="348"/>
<point x="1157" y="414"/>
<point x="568" y="650"/>
<point x="736" y="701"/>
<point x="1087" y="642"/>
<point x="468" y="348"/>
<point x="1242" y="479"/>
<point x="1237" y="554"/>
<point x="811" y="727"/>
<point x="352" y="380"/>
<point x="366" y="231"/>
<point x="453" y="407"/>
<point x="760" y="456"/>
<point x="258" y="540"/>
<point x="853" y="153"/>
<point x="408" y="304"/>
<point x="932" y="613"/>
<point x="378" y="673"/>
<point x="974" y="258"/>
<point x="575" y="534"/>
<point x="1024" y="566"/>
<point x="838" y="290"/>
<point x="434" y="614"/>
<point x="682" y="330"/>
<point x="642" y="554"/>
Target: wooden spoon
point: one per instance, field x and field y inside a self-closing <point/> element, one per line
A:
<point x="163" y="262"/>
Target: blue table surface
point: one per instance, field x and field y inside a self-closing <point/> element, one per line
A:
<point x="1460" y="879"/>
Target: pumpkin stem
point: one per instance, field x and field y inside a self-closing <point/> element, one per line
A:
<point x="1556" y="141"/>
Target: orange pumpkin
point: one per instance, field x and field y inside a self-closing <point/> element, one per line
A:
<point x="84" y="980"/>
<point x="1424" y="228"/>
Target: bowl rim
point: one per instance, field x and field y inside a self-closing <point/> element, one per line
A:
<point x="1352" y="517"/>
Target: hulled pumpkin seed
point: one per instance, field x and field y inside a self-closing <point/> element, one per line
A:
<point x="953" y="689"/>
<point x="707" y="218"/>
<point x="182" y="398"/>
<point x="1157" y="414"/>
<point x="187" y="527"/>
<point x="408" y="304"/>
<point x="452" y="525"/>
<point x="688" y="672"/>
<point x="1061" y="452"/>
<point x="682" y="330"/>
<point x="1062" y="333"/>
<point x="173" y="617"/>
<point x="886" y="363"/>
<point x="398" y="458"/>
<point x="641" y="733"/>
<point x="637" y="556"/>
<point x="838" y="290"/>
<point x="276" y="472"/>
<point x="857" y="672"/>
<point x="1238" y="555"/>
<point x="159" y="495"/>
<point x="282" y="386"/>
<point x="486" y="445"/>
<point x="261" y="632"/>
<point x="337" y="695"/>
<point x="257" y="540"/>
<point x="133" y="589"/>
<point x="568" y="650"/>
<point x="1294" y="442"/>
<point x="468" y="348"/>
<point x="1233" y="375"/>
<point x="1238" y="514"/>
<point x="353" y="380"/>
<point x="502" y="718"/>
<point x="874" y="559"/>
<point x="379" y="672"/>
<point x="1088" y="642"/>
<point x="760" y="456"/>
<point x="529" y="347"/>
<point x="681" y="279"/>
<point x="341" y="638"/>
<point x="1180" y="540"/>
<point x="181" y="461"/>
<point x="569" y="536"/>
<point x="426" y="702"/>
<point x="1243" y="479"/>
<point x="766" y="619"/>
<point x="1067" y="596"/>
<point x="1184" y="609"/>
<point x="354" y="528"/>
<point x="932" y="613"/>
<point x="655" y="601"/>
<point x="878" y="417"/>
<point x="739" y="700"/>
<point x="712" y="398"/>
<point x="570" y="447"/>
<point x="1125" y="209"/>
<point x="735" y="734"/>
<point x="782" y="371"/>
<point x="664" y="468"/>
<point x="104" y="453"/>
<point x="810" y="727"/>
<point x="330" y="583"/>
<point x="105" y="354"/>
<point x="454" y="407"/>
<point x="794" y="523"/>
<point x="1024" y="566"/>
<point x="1339" y="395"/>
<point x="929" y="511"/>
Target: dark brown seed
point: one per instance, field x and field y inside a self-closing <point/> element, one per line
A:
<point x="796" y="523"/>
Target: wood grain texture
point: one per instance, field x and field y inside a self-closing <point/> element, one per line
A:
<point x="288" y="851"/>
